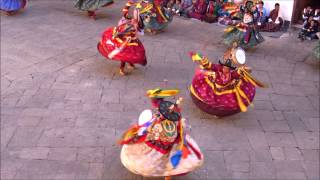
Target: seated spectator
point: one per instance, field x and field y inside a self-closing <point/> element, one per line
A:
<point x="170" y="4"/>
<point x="165" y="3"/>
<point x="175" y="6"/>
<point x="261" y="14"/>
<point x="186" y="6"/>
<point x="199" y="10"/>
<point x="274" y="21"/>
<point x="309" y="30"/>
<point x="212" y="12"/>
<point x="307" y="12"/>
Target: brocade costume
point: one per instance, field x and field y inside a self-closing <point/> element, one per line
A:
<point x="222" y="89"/>
<point x="158" y="145"/>
<point x="244" y="33"/>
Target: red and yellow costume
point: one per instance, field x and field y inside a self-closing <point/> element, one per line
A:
<point x="121" y="44"/>
<point x="154" y="17"/>
<point x="221" y="90"/>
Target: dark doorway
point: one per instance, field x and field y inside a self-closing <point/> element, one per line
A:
<point x="298" y="7"/>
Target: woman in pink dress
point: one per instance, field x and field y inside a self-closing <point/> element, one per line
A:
<point x="226" y="88"/>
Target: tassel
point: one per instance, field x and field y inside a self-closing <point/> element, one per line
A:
<point x="185" y="152"/>
<point x="175" y="159"/>
<point x="129" y="135"/>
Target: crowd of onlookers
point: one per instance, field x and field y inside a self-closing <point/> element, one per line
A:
<point x="311" y="21"/>
<point x="225" y="12"/>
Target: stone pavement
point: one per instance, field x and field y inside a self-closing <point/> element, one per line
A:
<point x="63" y="106"/>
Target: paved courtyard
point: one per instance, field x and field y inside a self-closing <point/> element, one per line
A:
<point x="63" y="106"/>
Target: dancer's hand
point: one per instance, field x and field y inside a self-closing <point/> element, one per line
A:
<point x="247" y="68"/>
<point x="211" y="74"/>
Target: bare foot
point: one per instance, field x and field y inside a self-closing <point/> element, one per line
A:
<point x="131" y="66"/>
<point x="122" y="72"/>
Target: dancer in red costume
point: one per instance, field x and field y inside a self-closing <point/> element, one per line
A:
<point x="120" y="43"/>
<point x="226" y="88"/>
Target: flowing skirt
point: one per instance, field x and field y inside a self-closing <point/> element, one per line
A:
<point x="12" y="5"/>
<point x="220" y="103"/>
<point x="146" y="161"/>
<point x="91" y="5"/>
<point x="246" y="39"/>
<point x="155" y="25"/>
<point x="132" y="53"/>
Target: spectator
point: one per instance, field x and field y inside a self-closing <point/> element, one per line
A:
<point x="307" y="12"/>
<point x="261" y="14"/>
<point x="212" y="12"/>
<point x="274" y="21"/>
<point x="199" y="10"/>
<point x="170" y="4"/>
<point x="174" y="6"/>
<point x="186" y="6"/>
<point x="309" y="30"/>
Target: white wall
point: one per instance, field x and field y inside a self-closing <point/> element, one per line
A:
<point x="286" y="7"/>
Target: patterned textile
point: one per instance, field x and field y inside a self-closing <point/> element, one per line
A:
<point x="114" y="41"/>
<point x="160" y="146"/>
<point x="245" y="34"/>
<point x="221" y="96"/>
<point x="12" y="5"/>
<point x="272" y="26"/>
<point x="155" y="17"/>
<point x="225" y="88"/>
<point x="91" y="5"/>
<point x="144" y="160"/>
<point x="199" y="10"/>
<point x="211" y="15"/>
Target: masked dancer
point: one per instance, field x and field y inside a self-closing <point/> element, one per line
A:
<point x="226" y="88"/>
<point x="158" y="145"/>
<point x="121" y="43"/>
